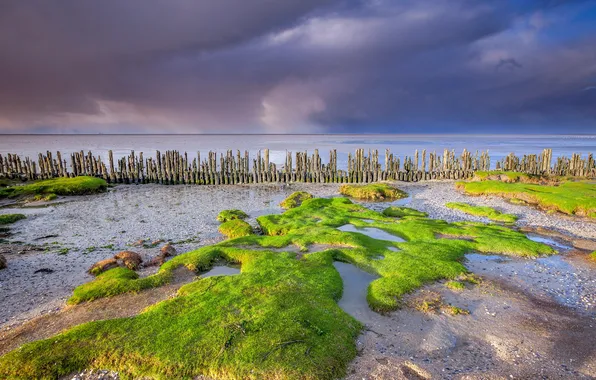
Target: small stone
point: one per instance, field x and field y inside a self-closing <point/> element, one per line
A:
<point x="102" y="266"/>
<point x="2" y="262"/>
<point x="168" y="250"/>
<point x="129" y="259"/>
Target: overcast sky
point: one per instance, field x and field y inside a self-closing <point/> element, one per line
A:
<point x="297" y="66"/>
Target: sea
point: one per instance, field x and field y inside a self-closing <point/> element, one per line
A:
<point x="399" y="144"/>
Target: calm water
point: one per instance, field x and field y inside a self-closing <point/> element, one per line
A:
<point x="402" y="145"/>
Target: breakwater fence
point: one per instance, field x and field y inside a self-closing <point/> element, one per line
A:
<point x="173" y="167"/>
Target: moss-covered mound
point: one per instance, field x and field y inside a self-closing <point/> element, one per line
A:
<point x="279" y="318"/>
<point x="487" y="212"/>
<point x="295" y="199"/>
<point x="573" y="198"/>
<point x="401" y="212"/>
<point x="235" y="228"/>
<point x="10" y="218"/>
<point x="372" y="192"/>
<point x="58" y="186"/>
<point x="227" y="215"/>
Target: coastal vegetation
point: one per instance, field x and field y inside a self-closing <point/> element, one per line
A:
<point x="235" y="228"/>
<point x="572" y="198"/>
<point x="227" y="215"/>
<point x="279" y="317"/>
<point x="295" y="199"/>
<point x="483" y="211"/>
<point x="372" y="192"/>
<point x="10" y="218"/>
<point x="57" y="186"/>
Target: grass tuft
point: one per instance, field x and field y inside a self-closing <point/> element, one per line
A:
<point x="573" y="198"/>
<point x="227" y="215"/>
<point x="373" y="192"/>
<point x="235" y="228"/>
<point x="57" y="186"/>
<point x="402" y="212"/>
<point x="295" y="199"/>
<point x="455" y="285"/>
<point x="487" y="212"/>
<point x="10" y="218"/>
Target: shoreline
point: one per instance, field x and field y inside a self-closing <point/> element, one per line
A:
<point x="186" y="215"/>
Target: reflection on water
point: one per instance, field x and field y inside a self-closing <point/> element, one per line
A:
<point x="221" y="270"/>
<point x="547" y="241"/>
<point x="372" y="232"/>
<point x="353" y="300"/>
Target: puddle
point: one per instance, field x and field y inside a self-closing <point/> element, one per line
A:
<point x="221" y="270"/>
<point x="353" y="299"/>
<point x="394" y="249"/>
<point x="372" y="232"/>
<point x="552" y="276"/>
<point x="402" y="201"/>
<point x="547" y="241"/>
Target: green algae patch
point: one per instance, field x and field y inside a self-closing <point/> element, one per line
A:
<point x="592" y="256"/>
<point x="487" y="212"/>
<point x="11" y="218"/>
<point x="572" y="198"/>
<point x="57" y="186"/>
<point x="372" y="192"/>
<point x="279" y="317"/>
<point x="295" y="199"/>
<point x="235" y="228"/>
<point x="455" y="285"/>
<point x="116" y="281"/>
<point x="402" y="212"/>
<point x="227" y="215"/>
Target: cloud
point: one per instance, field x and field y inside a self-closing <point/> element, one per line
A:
<point x="295" y="66"/>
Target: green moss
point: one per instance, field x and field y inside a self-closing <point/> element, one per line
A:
<point x="455" y="285"/>
<point x="569" y="197"/>
<point x="57" y="186"/>
<point x="501" y="175"/>
<point x="227" y="215"/>
<point x="373" y="191"/>
<point x="295" y="199"/>
<point x="593" y="256"/>
<point x="45" y="198"/>
<point x="115" y="281"/>
<point x="235" y="228"/>
<point x="487" y="212"/>
<point x="10" y="218"/>
<point x="279" y="318"/>
<point x="402" y="212"/>
<point x="454" y="310"/>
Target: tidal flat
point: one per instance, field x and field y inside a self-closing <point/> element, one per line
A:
<point x="397" y="338"/>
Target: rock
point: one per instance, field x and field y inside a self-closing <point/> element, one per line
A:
<point x="156" y="242"/>
<point x="139" y="243"/>
<point x="2" y="262"/>
<point x="168" y="250"/>
<point x="129" y="259"/>
<point x="585" y="244"/>
<point x="102" y="266"/>
<point x="156" y="261"/>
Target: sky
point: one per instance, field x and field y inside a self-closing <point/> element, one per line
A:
<point x="297" y="66"/>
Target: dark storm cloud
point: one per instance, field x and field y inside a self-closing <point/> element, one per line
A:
<point x="278" y="66"/>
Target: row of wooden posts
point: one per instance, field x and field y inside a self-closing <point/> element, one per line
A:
<point x="173" y="167"/>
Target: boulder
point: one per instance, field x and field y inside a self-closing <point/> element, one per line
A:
<point x="156" y="261"/>
<point x="168" y="250"/>
<point x="2" y="262"/>
<point x="102" y="266"/>
<point x="129" y="259"/>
